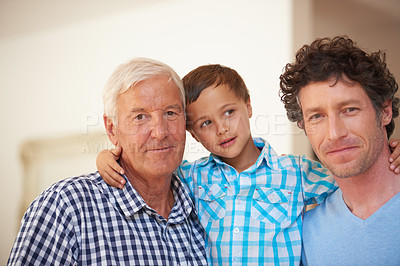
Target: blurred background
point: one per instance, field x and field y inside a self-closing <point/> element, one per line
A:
<point x="55" y="57"/>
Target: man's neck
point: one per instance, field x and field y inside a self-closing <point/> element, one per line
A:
<point x="155" y="191"/>
<point x="366" y="193"/>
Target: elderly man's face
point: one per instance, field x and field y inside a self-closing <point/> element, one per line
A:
<point x="151" y="127"/>
<point x="342" y="127"/>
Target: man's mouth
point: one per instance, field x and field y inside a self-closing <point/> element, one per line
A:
<point x="340" y="150"/>
<point x="159" y="149"/>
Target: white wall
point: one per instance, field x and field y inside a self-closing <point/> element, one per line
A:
<point x="53" y="67"/>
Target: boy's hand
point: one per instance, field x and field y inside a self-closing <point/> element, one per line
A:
<point x="108" y="167"/>
<point x="394" y="158"/>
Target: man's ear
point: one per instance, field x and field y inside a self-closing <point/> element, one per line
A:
<point x="110" y="129"/>
<point x="387" y="113"/>
<point x="249" y="108"/>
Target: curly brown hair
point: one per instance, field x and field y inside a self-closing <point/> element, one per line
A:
<point x="338" y="57"/>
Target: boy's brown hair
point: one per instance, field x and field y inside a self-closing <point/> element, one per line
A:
<point x="213" y="75"/>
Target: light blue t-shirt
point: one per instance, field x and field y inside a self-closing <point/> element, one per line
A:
<point x="332" y="235"/>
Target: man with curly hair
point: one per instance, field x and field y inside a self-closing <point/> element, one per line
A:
<point x="344" y="99"/>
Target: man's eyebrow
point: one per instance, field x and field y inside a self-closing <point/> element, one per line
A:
<point x="339" y="104"/>
<point x="135" y="110"/>
<point x="174" y="106"/>
<point x="141" y="109"/>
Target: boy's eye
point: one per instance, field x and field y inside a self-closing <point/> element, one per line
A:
<point x="229" y="112"/>
<point x="206" y="123"/>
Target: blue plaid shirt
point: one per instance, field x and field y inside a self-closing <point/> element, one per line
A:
<point x="83" y="221"/>
<point x="255" y="217"/>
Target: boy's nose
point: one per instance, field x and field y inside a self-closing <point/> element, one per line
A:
<point x="222" y="128"/>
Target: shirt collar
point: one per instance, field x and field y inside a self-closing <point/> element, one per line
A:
<point x="130" y="201"/>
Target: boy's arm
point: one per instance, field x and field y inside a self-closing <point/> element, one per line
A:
<point x="109" y="168"/>
<point x="184" y="172"/>
<point x="318" y="183"/>
<point x="111" y="171"/>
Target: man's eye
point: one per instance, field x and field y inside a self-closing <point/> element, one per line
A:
<point x="171" y="113"/>
<point x="139" y="117"/>
<point x="206" y="123"/>
<point x="315" y="117"/>
<point x="351" y="109"/>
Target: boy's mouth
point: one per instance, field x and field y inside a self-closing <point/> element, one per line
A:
<point x="227" y="142"/>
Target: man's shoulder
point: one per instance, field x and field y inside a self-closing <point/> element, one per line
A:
<point x="72" y="189"/>
<point x="329" y="207"/>
<point x="85" y="181"/>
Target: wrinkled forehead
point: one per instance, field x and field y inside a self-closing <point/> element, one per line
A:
<point x="157" y="92"/>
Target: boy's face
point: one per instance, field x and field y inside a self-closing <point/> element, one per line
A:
<point x="219" y="120"/>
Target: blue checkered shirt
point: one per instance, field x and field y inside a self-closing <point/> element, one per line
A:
<point x="255" y="217"/>
<point x="83" y="221"/>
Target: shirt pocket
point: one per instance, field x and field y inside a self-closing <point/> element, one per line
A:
<point x="271" y="206"/>
<point x="212" y="202"/>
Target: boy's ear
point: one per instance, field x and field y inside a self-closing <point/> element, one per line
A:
<point x="110" y="129"/>
<point x="193" y="135"/>
<point x="249" y="108"/>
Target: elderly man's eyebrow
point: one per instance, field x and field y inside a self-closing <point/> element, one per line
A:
<point x="175" y="106"/>
<point x="141" y="109"/>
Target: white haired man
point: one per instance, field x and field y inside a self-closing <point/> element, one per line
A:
<point x="152" y="221"/>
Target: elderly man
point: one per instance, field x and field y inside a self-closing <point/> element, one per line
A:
<point x="152" y="221"/>
<point x="344" y="99"/>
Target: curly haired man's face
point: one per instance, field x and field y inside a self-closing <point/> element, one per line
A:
<point x="341" y="124"/>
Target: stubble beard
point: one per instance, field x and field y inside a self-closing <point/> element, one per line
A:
<point x="361" y="164"/>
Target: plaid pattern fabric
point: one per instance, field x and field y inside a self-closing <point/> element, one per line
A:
<point x="83" y="221"/>
<point x="255" y="217"/>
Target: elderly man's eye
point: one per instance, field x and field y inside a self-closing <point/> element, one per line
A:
<point x="171" y="114"/>
<point x="139" y="117"/>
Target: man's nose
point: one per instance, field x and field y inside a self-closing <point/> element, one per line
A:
<point x="159" y="127"/>
<point x="336" y="128"/>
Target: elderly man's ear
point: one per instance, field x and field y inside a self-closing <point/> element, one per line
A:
<point x="110" y="129"/>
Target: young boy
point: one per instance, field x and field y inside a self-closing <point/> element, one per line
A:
<point x="248" y="199"/>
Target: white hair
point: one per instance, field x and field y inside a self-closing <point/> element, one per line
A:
<point x="126" y="75"/>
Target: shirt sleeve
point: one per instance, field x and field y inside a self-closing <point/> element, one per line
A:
<point x="185" y="173"/>
<point x="318" y="183"/>
<point x="46" y="235"/>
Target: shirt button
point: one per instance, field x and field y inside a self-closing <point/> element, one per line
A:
<point x="235" y="259"/>
<point x="236" y="230"/>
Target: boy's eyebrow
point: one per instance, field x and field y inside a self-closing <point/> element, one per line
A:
<point x="204" y="116"/>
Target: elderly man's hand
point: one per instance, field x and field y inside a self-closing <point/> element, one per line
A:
<point x="109" y="168"/>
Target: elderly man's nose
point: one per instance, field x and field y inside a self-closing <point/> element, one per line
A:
<point x="159" y="128"/>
